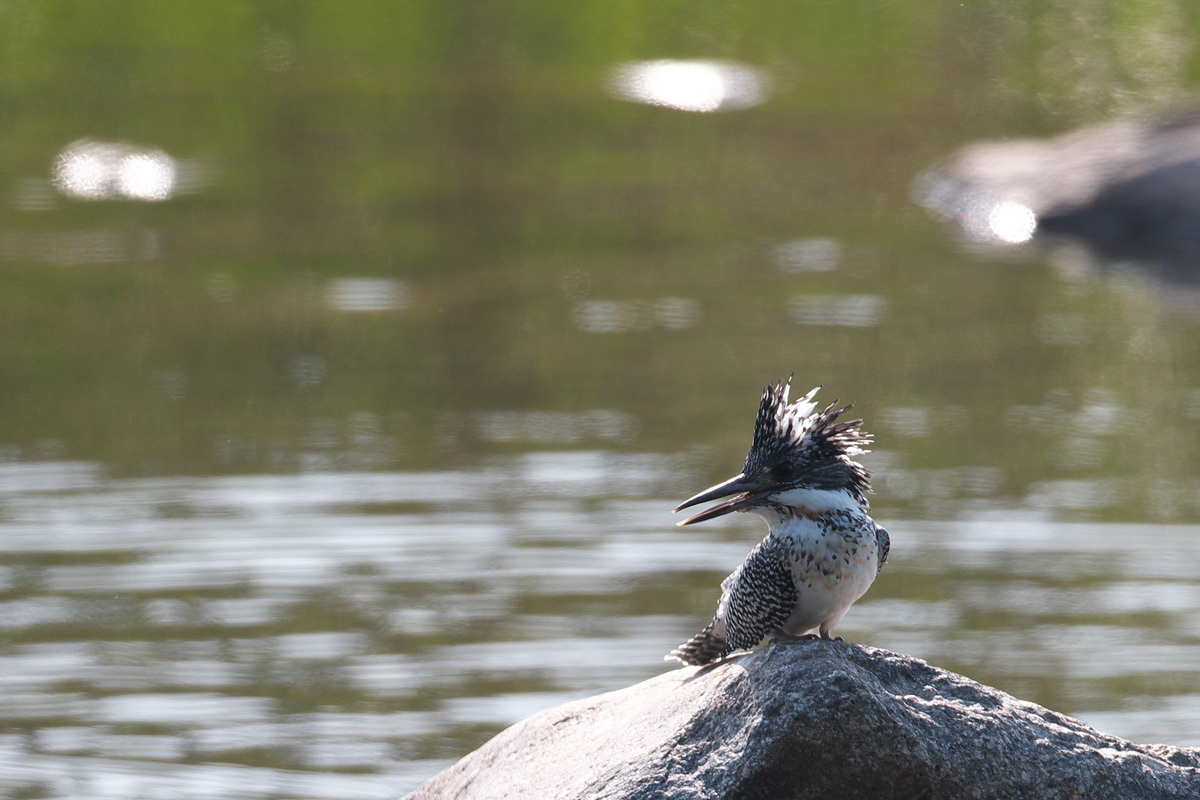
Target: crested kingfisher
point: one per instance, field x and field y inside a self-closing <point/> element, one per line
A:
<point x="822" y="551"/>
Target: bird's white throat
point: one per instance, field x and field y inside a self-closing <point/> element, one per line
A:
<point x="807" y="502"/>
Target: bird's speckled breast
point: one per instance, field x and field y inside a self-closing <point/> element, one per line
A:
<point x="833" y="559"/>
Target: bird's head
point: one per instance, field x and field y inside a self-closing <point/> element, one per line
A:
<point x="800" y="458"/>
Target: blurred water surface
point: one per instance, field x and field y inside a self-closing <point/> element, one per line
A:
<point x="347" y="634"/>
<point x="353" y="355"/>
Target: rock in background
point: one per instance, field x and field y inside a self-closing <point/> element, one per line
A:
<point x="812" y="719"/>
<point x="1127" y="189"/>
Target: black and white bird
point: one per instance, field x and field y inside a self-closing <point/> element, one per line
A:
<point x="822" y="551"/>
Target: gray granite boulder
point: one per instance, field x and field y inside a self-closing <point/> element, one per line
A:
<point x="812" y="719"/>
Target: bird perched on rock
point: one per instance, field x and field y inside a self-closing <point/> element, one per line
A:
<point x="822" y="551"/>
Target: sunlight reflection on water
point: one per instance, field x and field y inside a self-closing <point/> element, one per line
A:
<point x="701" y="86"/>
<point x="852" y="310"/>
<point x="366" y="294"/>
<point x="89" y="169"/>
<point x="611" y="316"/>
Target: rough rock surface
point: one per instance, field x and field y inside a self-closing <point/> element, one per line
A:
<point x="812" y="719"/>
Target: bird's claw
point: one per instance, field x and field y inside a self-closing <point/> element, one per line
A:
<point x="787" y="637"/>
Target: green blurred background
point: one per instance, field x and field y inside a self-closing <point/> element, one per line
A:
<point x="429" y="242"/>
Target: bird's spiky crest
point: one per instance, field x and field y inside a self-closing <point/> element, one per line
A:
<point x="798" y="432"/>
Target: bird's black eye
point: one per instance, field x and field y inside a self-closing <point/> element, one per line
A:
<point x="784" y="471"/>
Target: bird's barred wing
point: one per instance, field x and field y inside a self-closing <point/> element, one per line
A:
<point x="883" y="544"/>
<point x="757" y="598"/>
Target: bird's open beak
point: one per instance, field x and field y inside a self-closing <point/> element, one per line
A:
<point x="748" y="494"/>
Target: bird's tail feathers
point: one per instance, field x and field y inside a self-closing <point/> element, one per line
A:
<point x="703" y="648"/>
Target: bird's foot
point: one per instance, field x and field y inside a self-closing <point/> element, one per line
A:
<point x="787" y="637"/>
